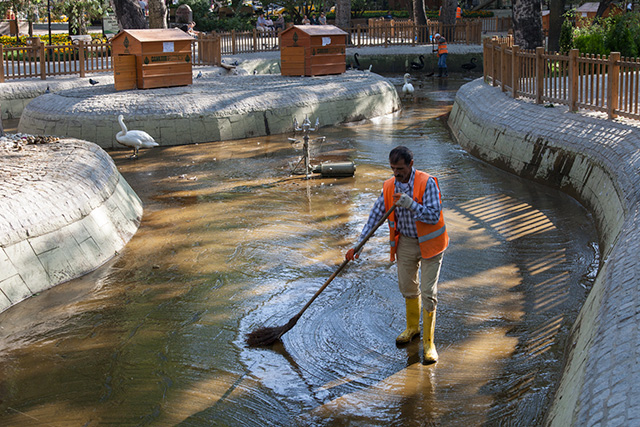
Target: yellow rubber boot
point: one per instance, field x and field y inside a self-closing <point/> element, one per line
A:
<point x="413" y="321"/>
<point x="429" y="328"/>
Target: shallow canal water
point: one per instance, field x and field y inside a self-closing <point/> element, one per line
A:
<point x="230" y="242"/>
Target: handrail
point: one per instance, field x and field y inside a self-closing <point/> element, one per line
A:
<point x="608" y="84"/>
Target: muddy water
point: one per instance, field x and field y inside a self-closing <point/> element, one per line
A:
<point x="231" y="242"/>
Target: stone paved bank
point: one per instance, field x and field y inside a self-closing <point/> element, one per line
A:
<point x="64" y="210"/>
<point x="598" y="162"/>
<point x="214" y="108"/>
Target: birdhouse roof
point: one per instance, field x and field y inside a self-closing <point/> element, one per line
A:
<point x="318" y="30"/>
<point x="154" y="35"/>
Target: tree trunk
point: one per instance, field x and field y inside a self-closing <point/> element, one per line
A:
<point x="448" y="19"/>
<point x="157" y="14"/>
<point x="604" y="4"/>
<point x="556" y="18"/>
<point x="420" y="20"/>
<point x="129" y="14"/>
<point x="527" y="23"/>
<point x="343" y="14"/>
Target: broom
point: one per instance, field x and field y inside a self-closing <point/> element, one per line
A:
<point x="262" y="337"/>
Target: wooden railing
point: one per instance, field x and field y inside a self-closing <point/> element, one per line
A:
<point x="206" y="50"/>
<point x="39" y="60"/>
<point x="235" y="42"/>
<point x="409" y="34"/>
<point x="377" y="33"/>
<point x="608" y="84"/>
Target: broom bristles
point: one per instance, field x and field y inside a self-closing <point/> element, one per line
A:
<point x="263" y="337"/>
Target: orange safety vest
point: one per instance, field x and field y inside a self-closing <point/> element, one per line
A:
<point x="432" y="238"/>
<point x="442" y="47"/>
<point x="458" y="13"/>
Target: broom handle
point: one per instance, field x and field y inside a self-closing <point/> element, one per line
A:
<point x="346" y="261"/>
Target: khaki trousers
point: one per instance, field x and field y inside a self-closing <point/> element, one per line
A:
<point x="417" y="276"/>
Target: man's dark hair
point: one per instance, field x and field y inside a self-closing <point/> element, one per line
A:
<point x="400" y="152"/>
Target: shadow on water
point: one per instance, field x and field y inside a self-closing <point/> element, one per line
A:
<point x="230" y="242"/>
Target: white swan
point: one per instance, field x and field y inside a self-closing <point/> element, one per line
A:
<point x="408" y="87"/>
<point x="135" y="139"/>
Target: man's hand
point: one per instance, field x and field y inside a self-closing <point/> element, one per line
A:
<point x="402" y="200"/>
<point x="351" y="255"/>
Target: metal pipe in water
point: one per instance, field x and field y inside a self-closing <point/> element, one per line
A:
<point x="332" y="170"/>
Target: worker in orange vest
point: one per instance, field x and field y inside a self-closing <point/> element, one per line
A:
<point x="418" y="238"/>
<point x="443" y="51"/>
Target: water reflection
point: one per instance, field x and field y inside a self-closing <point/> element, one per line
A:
<point x="230" y="242"/>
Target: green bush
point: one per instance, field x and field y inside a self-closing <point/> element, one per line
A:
<point x="622" y="34"/>
<point x="590" y="39"/>
<point x="617" y="33"/>
<point x="208" y="21"/>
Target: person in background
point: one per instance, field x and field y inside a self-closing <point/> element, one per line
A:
<point x="322" y="20"/>
<point x="305" y="20"/>
<point x="313" y="19"/>
<point x="261" y="24"/>
<point x="442" y="54"/>
<point x="418" y="238"/>
<point x="143" y="6"/>
<point x="190" y="29"/>
<point x="279" y="23"/>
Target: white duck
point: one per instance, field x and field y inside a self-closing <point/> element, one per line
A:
<point x="408" y="87"/>
<point x="135" y="139"/>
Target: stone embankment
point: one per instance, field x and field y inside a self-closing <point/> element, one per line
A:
<point x="597" y="161"/>
<point x="212" y="109"/>
<point x="64" y="210"/>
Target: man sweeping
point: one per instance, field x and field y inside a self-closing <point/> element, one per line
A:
<point x="443" y="52"/>
<point x="418" y="238"/>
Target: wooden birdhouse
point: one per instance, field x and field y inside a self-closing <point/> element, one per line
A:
<point x="151" y="58"/>
<point x="313" y="50"/>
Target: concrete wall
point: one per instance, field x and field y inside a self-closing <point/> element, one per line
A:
<point x="77" y="214"/>
<point x="208" y="111"/>
<point x="596" y="161"/>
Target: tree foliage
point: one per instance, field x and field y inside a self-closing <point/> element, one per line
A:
<point x="616" y="33"/>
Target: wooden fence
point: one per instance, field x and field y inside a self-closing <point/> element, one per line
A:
<point x="37" y="60"/>
<point x="608" y="84"/>
<point x="377" y="33"/>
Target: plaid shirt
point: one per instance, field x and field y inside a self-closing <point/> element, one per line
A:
<point x="428" y="211"/>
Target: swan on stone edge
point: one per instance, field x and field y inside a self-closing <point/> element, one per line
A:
<point x="135" y="139"/>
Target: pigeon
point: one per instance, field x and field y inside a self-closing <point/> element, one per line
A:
<point x="199" y="74"/>
<point x="93" y="82"/>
